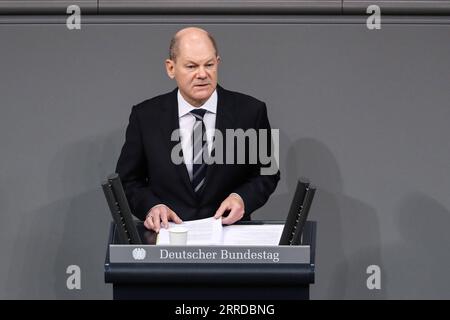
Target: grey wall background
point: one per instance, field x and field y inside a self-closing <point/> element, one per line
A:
<point x="363" y="114"/>
<point x="225" y="7"/>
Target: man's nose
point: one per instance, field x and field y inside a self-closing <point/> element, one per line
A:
<point x="201" y="73"/>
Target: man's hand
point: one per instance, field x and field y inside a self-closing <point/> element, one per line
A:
<point x="160" y="216"/>
<point x="235" y="205"/>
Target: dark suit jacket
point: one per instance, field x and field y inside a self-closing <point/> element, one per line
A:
<point x="150" y="177"/>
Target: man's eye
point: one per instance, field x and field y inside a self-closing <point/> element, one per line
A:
<point x="209" y="65"/>
<point x="190" y="67"/>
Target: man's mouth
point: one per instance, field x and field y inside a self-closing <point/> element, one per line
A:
<point x="201" y="85"/>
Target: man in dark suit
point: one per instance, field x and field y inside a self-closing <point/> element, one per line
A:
<point x="161" y="189"/>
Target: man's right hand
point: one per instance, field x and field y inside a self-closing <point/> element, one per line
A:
<point x="160" y="215"/>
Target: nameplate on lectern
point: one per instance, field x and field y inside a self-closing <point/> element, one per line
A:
<point x="209" y="254"/>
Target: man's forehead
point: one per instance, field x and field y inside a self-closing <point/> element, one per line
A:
<point x="197" y="52"/>
<point x="197" y="59"/>
<point x="193" y="45"/>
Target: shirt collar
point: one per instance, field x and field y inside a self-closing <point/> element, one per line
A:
<point x="184" y="107"/>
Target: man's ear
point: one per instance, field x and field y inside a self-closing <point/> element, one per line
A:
<point x="218" y="59"/>
<point x="170" y="68"/>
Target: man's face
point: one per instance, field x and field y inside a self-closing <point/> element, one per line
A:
<point x="195" y="69"/>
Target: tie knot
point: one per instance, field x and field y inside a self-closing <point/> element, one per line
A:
<point x="198" y="113"/>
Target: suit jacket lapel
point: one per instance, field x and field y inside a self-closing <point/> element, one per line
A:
<point x="169" y="122"/>
<point x="224" y="120"/>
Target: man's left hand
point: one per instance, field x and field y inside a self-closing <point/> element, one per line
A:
<point x="235" y="205"/>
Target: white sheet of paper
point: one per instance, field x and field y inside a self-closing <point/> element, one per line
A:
<point x="249" y="235"/>
<point x="200" y="232"/>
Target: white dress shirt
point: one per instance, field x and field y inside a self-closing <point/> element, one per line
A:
<point x="187" y="121"/>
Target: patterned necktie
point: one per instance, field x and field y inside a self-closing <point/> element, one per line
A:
<point x="199" y="149"/>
